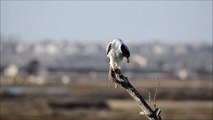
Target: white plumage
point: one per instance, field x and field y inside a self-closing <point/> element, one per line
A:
<point x="116" y="50"/>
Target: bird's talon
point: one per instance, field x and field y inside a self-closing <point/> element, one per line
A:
<point x="117" y="70"/>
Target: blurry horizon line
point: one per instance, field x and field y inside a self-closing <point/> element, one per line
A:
<point x="18" y="38"/>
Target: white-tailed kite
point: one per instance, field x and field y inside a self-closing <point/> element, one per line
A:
<point x="116" y="50"/>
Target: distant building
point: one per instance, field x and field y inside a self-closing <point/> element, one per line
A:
<point x="91" y="49"/>
<point x="148" y="57"/>
<point x="182" y="74"/>
<point x="158" y="49"/>
<point x="140" y="60"/>
<point x="11" y="71"/>
<point x="20" y="48"/>
<point x="51" y="48"/>
<point x="180" y="49"/>
<point x="38" y="49"/>
<point x="71" y="49"/>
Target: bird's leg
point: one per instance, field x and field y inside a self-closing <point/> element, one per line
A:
<point x="117" y="70"/>
<point x="112" y="74"/>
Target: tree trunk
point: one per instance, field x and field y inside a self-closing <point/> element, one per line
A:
<point x="120" y="79"/>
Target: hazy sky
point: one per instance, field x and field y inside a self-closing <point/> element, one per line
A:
<point x="174" y="21"/>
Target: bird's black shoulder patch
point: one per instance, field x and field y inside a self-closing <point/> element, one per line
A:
<point x="109" y="47"/>
<point x="125" y="50"/>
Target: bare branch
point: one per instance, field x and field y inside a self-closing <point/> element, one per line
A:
<point x="150" y="99"/>
<point x="156" y="91"/>
<point x="123" y="81"/>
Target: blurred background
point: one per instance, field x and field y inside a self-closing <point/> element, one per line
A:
<point x="54" y="65"/>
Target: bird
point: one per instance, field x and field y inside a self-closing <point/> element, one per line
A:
<point x="116" y="51"/>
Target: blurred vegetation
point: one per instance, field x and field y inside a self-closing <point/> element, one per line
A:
<point x="94" y="100"/>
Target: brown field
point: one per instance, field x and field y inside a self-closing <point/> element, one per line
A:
<point x="94" y="100"/>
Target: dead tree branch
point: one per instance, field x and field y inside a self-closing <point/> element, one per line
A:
<point x="156" y="92"/>
<point x="120" y="79"/>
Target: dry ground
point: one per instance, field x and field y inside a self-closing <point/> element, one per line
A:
<point x="93" y="100"/>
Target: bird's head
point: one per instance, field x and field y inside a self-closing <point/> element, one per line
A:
<point x="127" y="59"/>
<point x="117" y="39"/>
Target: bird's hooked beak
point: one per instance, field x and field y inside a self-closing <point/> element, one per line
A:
<point x="127" y="60"/>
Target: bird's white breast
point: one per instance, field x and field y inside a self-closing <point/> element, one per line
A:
<point x="115" y="53"/>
